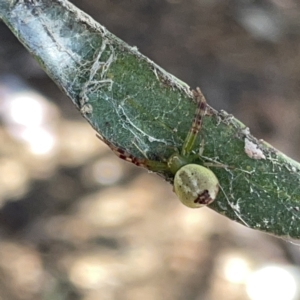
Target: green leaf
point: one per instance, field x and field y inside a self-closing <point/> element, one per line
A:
<point x="139" y="107"/>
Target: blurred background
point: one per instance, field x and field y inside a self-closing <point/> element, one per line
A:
<point x="76" y="222"/>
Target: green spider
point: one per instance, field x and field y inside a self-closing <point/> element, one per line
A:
<point x="195" y="185"/>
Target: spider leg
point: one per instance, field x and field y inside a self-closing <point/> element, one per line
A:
<point x="197" y="122"/>
<point x="140" y="162"/>
<point x="202" y="146"/>
<point x="121" y="153"/>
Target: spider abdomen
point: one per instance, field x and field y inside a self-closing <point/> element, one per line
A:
<point x="195" y="185"/>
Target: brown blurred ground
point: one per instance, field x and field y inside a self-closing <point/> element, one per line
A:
<point x="71" y="228"/>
